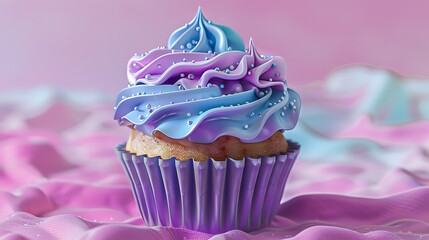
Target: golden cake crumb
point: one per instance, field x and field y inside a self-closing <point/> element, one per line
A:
<point x="223" y="147"/>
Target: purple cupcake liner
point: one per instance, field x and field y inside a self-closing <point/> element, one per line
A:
<point x="209" y="196"/>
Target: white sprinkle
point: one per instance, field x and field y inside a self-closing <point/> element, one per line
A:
<point x="246" y="126"/>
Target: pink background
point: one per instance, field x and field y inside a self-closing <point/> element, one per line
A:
<point x="80" y="44"/>
<point x="363" y="170"/>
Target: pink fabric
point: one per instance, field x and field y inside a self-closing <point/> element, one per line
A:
<point x="363" y="173"/>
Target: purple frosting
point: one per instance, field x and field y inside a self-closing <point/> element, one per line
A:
<point x="202" y="96"/>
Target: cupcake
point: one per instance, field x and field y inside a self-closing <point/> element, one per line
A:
<point x="207" y="118"/>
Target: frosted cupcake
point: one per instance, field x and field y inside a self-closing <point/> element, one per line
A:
<point x="206" y="150"/>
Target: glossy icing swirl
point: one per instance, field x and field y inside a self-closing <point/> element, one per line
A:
<point x="201" y="35"/>
<point x="202" y="96"/>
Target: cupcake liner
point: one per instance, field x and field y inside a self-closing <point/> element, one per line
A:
<point x="209" y="196"/>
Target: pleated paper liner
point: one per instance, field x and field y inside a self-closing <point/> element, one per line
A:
<point x="209" y="196"/>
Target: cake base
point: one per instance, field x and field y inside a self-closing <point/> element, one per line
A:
<point x="183" y="149"/>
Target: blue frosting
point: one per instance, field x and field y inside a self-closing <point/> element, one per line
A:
<point x="204" y="114"/>
<point x="206" y="86"/>
<point x="201" y="35"/>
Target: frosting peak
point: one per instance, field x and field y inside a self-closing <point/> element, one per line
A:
<point x="201" y="35"/>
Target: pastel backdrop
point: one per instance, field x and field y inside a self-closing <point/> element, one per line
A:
<point x="86" y="44"/>
<point x="363" y="170"/>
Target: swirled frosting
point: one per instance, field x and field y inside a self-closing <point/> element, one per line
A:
<point x="201" y="35"/>
<point x="202" y="95"/>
